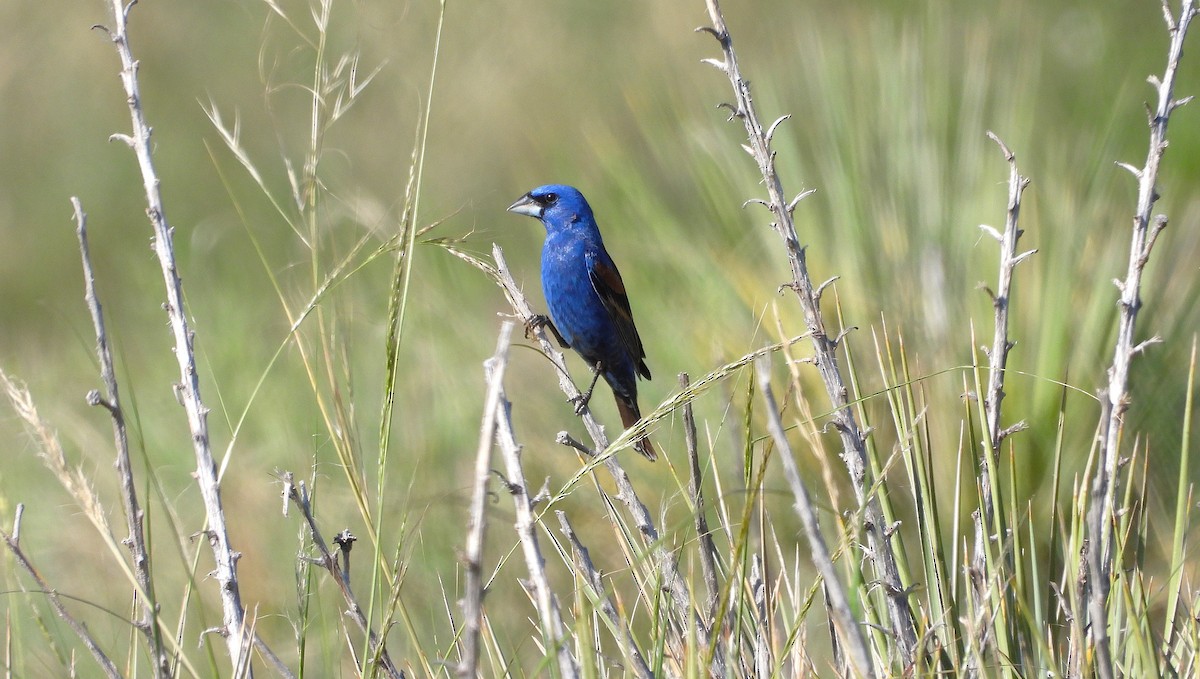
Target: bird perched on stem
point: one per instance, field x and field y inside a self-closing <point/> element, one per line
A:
<point x="589" y="311"/>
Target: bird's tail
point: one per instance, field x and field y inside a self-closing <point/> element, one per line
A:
<point x="630" y="414"/>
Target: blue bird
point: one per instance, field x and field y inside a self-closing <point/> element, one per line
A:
<point x="589" y="311"/>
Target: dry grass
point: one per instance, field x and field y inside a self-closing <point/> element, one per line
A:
<point x="852" y="507"/>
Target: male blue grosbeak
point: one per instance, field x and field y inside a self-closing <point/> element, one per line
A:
<point x="589" y="311"/>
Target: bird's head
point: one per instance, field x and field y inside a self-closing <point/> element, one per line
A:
<point x="555" y="204"/>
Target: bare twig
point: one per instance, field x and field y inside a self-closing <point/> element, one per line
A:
<point x="188" y="389"/>
<point x="547" y="603"/>
<point x="849" y="635"/>
<point x="136" y="542"/>
<point x="1009" y="258"/>
<point x="854" y="453"/>
<point x="591" y="578"/>
<point x="298" y="494"/>
<point x="477" y="523"/>
<point x="988" y="522"/>
<point x="1115" y="396"/>
<point x="14" y="546"/>
<point x="708" y="550"/>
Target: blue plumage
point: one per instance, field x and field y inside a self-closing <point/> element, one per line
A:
<point x="587" y="300"/>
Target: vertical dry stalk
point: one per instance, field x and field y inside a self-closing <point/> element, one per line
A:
<point x="854" y="453"/>
<point x="188" y="388"/>
<point x="985" y="523"/>
<point x="1001" y="297"/>
<point x="708" y="550"/>
<point x="136" y="542"/>
<point x="477" y="523"/>
<point x="849" y="636"/>
<point x="1115" y="396"/>
<point x="547" y="604"/>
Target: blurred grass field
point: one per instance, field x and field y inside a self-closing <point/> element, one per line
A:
<point x="889" y="108"/>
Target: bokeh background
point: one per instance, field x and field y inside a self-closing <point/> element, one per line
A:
<point x="889" y="104"/>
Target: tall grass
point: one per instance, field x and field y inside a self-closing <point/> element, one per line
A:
<point x="346" y="291"/>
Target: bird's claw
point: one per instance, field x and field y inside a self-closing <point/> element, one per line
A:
<point x="534" y="322"/>
<point x="538" y="321"/>
<point x="580" y="402"/>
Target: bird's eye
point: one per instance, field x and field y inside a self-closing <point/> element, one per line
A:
<point x="550" y="198"/>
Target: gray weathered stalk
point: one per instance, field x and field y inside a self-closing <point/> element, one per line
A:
<point x="472" y="602"/>
<point x="825" y="359"/>
<point x="13" y="542"/>
<point x="986" y="522"/>
<point x="111" y="400"/>
<point x="590" y="575"/>
<point x="1115" y="395"/>
<point x="549" y="617"/>
<point x="233" y="628"/>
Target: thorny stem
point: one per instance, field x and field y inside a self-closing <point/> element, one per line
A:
<point x="1115" y="396"/>
<point x="854" y="453"/>
<point x="234" y="625"/>
<point x="1009" y="259"/>
<point x="988" y="522"/>
<point x="136" y="542"/>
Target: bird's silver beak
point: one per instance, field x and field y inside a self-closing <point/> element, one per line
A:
<point x="526" y="205"/>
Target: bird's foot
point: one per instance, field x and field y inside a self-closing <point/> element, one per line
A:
<point x="534" y="322"/>
<point x="538" y="321"/>
<point x="581" y="401"/>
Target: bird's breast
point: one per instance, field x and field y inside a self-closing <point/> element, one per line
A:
<point x="574" y="306"/>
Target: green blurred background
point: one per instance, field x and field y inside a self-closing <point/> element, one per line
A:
<point x="890" y="103"/>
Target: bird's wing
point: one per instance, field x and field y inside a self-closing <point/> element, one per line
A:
<point x="608" y="285"/>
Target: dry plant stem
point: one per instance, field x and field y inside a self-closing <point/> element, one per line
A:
<point x="14" y="546"/>
<point x="854" y="453"/>
<point x="298" y="494"/>
<point x="547" y="605"/>
<point x="592" y="578"/>
<point x="849" y="635"/>
<point x="477" y="523"/>
<point x="708" y="550"/>
<point x="667" y="562"/>
<point x="998" y="355"/>
<point x="997" y="365"/>
<point x="1115" y="397"/>
<point x="136" y="542"/>
<point x="188" y="389"/>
